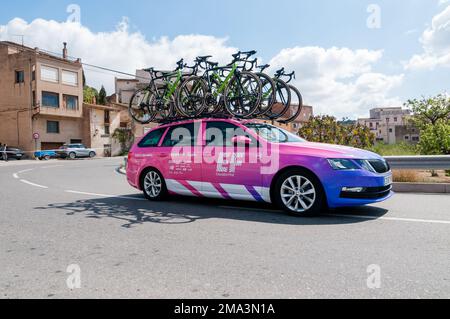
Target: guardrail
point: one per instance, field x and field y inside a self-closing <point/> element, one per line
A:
<point x="432" y="162"/>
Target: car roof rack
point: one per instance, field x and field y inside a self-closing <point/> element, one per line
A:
<point x="203" y="116"/>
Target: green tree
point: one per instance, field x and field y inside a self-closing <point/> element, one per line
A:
<point x="432" y="117"/>
<point x="435" y="139"/>
<point x="102" y="96"/>
<point x="125" y="138"/>
<point x="428" y="111"/>
<point x="326" y="129"/>
<point x="90" y="95"/>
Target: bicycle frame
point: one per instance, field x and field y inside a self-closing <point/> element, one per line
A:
<point x="170" y="86"/>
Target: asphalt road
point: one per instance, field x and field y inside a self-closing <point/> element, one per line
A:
<point x="62" y="213"/>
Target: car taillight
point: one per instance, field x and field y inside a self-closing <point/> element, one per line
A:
<point x="130" y="154"/>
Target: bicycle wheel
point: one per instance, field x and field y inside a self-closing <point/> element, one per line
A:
<point x="296" y="105"/>
<point x="140" y="106"/>
<point x="268" y="93"/>
<point x="282" y="100"/>
<point x="191" y="96"/>
<point x="214" y="100"/>
<point x="243" y="95"/>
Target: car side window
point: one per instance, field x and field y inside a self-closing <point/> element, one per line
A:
<point x="222" y="133"/>
<point x="152" y="139"/>
<point x="181" y="135"/>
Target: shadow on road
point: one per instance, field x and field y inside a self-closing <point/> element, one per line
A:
<point x="183" y="210"/>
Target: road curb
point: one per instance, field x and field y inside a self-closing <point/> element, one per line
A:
<point x="421" y="188"/>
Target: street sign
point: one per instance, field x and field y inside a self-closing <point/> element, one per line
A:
<point x="36" y="136"/>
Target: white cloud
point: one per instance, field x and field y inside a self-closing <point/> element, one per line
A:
<point x="119" y="49"/>
<point x="436" y="44"/>
<point x="337" y="81"/>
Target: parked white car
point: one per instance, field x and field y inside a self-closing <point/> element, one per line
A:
<point x="74" y="151"/>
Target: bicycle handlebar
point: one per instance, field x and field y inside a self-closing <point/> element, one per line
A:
<point x="247" y="54"/>
<point x="281" y="72"/>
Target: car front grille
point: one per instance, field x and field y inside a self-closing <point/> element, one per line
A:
<point x="380" y="166"/>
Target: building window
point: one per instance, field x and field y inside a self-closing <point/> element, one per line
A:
<point x="50" y="99"/>
<point x="33" y="73"/>
<point x="107" y="131"/>
<point x="49" y="74"/>
<point x="415" y="138"/>
<point x="53" y="127"/>
<point x="371" y="125"/>
<point x="33" y="98"/>
<point x="20" y="76"/>
<point x="387" y="120"/>
<point x="69" y="78"/>
<point x="71" y="102"/>
<point x="390" y="130"/>
<point x="406" y="137"/>
<point x="107" y="117"/>
<point x="395" y="119"/>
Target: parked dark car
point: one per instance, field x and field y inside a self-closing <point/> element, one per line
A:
<point x="12" y="152"/>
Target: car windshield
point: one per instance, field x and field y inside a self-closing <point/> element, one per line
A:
<point x="274" y="134"/>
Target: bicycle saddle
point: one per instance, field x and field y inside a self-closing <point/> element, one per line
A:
<point x="203" y="58"/>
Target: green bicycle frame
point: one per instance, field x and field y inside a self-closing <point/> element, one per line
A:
<point x="172" y="87"/>
<point x="224" y="83"/>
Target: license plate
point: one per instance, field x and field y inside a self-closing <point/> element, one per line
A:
<point x="388" y="180"/>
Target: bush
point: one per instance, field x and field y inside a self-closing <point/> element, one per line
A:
<point x="435" y="139"/>
<point x="405" y="176"/>
<point x="326" y="129"/>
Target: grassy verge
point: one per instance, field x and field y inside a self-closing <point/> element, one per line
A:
<point x="400" y="149"/>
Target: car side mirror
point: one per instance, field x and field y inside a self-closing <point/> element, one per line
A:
<point x="241" y="140"/>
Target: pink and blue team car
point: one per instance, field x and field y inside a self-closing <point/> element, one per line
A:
<point x="249" y="160"/>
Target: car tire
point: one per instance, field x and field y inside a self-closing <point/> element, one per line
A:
<point x="305" y="200"/>
<point x="159" y="190"/>
<point x="47" y="157"/>
<point x="92" y="154"/>
<point x="72" y="155"/>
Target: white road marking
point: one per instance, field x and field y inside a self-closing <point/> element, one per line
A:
<point x="104" y="195"/>
<point x="25" y="170"/>
<point x="413" y="220"/>
<point x="32" y="184"/>
<point x="16" y="176"/>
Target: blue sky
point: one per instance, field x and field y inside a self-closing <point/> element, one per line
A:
<point x="269" y="27"/>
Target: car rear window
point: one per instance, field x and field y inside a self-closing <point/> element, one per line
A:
<point x="152" y="139"/>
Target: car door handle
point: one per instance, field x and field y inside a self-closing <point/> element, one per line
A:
<point x="163" y="155"/>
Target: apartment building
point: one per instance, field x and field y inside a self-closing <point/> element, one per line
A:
<point x="41" y="103"/>
<point x="390" y="125"/>
<point x="41" y="95"/>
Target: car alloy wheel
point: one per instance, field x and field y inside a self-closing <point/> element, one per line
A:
<point x="298" y="194"/>
<point x="91" y="154"/>
<point x="72" y="155"/>
<point x="153" y="185"/>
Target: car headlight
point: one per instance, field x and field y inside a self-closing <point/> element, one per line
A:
<point x="342" y="164"/>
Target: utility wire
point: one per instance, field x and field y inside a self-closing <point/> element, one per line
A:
<point x="96" y="66"/>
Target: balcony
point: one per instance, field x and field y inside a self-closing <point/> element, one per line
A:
<point x="61" y="111"/>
